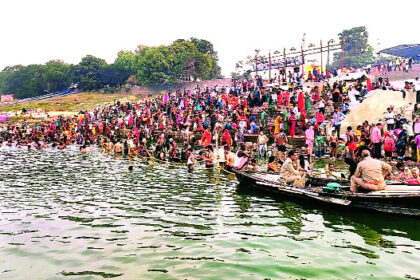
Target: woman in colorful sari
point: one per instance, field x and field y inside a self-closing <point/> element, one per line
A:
<point x="308" y="104"/>
<point x="226" y="138"/>
<point x="320" y="117"/>
<point x="206" y="139"/>
<point x="301" y="105"/>
<point x="292" y="121"/>
<point x="310" y="137"/>
<point x="286" y="120"/>
<point x="277" y="122"/>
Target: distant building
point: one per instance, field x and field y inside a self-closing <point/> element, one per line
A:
<point x="7" y="98"/>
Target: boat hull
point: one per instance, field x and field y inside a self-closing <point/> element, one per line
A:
<point x="393" y="202"/>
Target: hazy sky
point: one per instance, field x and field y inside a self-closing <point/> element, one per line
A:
<point x="38" y="31"/>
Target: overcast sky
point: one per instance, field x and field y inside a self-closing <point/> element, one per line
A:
<point x="38" y="31"/>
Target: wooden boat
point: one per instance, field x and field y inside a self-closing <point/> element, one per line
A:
<point x="316" y="181"/>
<point x="402" y="200"/>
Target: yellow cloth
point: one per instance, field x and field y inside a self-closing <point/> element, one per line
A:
<point x="277" y="125"/>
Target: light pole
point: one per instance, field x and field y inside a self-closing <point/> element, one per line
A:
<point x="321" y="56"/>
<point x="342" y="52"/>
<point x="331" y="41"/>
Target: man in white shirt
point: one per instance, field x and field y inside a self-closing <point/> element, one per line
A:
<point x="262" y="144"/>
<point x="321" y="106"/>
<point x="390" y="119"/>
<point x="417" y="89"/>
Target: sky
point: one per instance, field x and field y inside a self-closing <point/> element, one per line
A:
<point x="39" y="31"/>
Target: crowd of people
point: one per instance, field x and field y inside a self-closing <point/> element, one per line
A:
<point x="214" y="126"/>
<point x="392" y="65"/>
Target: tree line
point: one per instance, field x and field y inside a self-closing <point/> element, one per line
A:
<point x="183" y="60"/>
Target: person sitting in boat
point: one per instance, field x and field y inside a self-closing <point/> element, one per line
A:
<point x="242" y="157"/>
<point x="390" y="179"/>
<point x="272" y="167"/>
<point x="332" y="173"/>
<point x="370" y="174"/>
<point x="304" y="164"/>
<point x="415" y="180"/>
<point x="291" y="173"/>
<point x="252" y="166"/>
<point x="404" y="173"/>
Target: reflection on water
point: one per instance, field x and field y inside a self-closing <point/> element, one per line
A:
<point x="64" y="214"/>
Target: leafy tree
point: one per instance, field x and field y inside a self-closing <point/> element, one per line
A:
<point x="57" y="75"/>
<point x="182" y="60"/>
<point x="88" y="73"/>
<point x="189" y="61"/>
<point x="127" y="59"/>
<point x="171" y="64"/>
<point x="206" y="47"/>
<point x="153" y="66"/>
<point x="5" y="77"/>
<point x="114" y="74"/>
<point x="240" y="71"/>
<point x="24" y="82"/>
<point x="357" y="51"/>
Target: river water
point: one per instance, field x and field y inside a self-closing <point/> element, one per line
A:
<point x="65" y="215"/>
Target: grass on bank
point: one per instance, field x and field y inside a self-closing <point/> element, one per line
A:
<point x="70" y="103"/>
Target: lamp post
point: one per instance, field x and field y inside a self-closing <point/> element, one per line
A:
<point x="342" y="52"/>
<point x="269" y="65"/>
<point x="321" y="56"/>
<point x="331" y="41"/>
<point x="303" y="58"/>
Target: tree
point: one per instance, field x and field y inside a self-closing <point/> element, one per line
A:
<point x="357" y="51"/>
<point x="153" y="66"/>
<point x="171" y="64"/>
<point x="114" y="75"/>
<point x="127" y="60"/>
<point x="5" y="76"/>
<point x="183" y="60"/>
<point x="23" y="81"/>
<point x="88" y="73"/>
<point x="57" y="75"/>
<point x="243" y="69"/>
<point x="189" y="61"/>
<point x="206" y="47"/>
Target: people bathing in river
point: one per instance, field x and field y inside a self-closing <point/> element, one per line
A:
<point x="191" y="159"/>
<point x="83" y="149"/>
<point x="215" y="117"/>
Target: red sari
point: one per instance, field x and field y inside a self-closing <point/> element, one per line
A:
<point x="206" y="139"/>
<point x="226" y="138"/>
<point x="301" y="105"/>
<point x="292" y="121"/>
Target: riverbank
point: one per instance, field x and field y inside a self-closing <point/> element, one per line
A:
<point x="66" y="106"/>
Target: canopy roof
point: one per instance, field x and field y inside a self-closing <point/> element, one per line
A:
<point x="407" y="51"/>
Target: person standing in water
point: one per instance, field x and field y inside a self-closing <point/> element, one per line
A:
<point x="191" y="159"/>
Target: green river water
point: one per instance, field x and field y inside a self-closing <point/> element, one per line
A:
<point x="65" y="215"/>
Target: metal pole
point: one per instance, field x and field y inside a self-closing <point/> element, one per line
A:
<point x="328" y="54"/>
<point x="321" y="58"/>
<point x="285" y="61"/>
<point x="342" y="52"/>
<point x="256" y="63"/>
<point x="269" y="65"/>
<point x="303" y="58"/>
